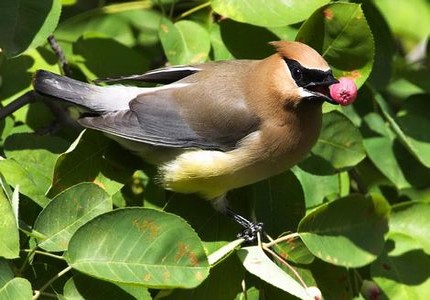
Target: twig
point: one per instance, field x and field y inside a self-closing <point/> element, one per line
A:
<point x="287" y="265"/>
<point x="60" y="54"/>
<point x="360" y="184"/>
<point x="16" y="104"/>
<point x="37" y="293"/>
<point x="193" y="10"/>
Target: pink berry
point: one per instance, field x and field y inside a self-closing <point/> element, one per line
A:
<point x="344" y="92"/>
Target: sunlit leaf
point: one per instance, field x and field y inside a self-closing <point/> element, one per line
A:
<point x="339" y="31"/>
<point x="272" y="13"/>
<point x="184" y="42"/>
<point x="139" y="246"/>
<point x="257" y="263"/>
<point x="69" y="210"/>
<point x="9" y="235"/>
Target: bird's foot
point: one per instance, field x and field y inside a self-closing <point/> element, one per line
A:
<point x="251" y="229"/>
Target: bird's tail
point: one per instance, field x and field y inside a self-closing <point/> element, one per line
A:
<point x="94" y="98"/>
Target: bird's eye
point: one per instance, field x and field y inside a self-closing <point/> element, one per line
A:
<point x="297" y="74"/>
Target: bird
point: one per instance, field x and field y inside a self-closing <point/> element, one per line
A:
<point x="210" y="127"/>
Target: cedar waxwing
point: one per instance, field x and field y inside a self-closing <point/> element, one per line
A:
<point x="215" y="126"/>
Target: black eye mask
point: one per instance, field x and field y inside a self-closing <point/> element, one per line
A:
<point x="308" y="77"/>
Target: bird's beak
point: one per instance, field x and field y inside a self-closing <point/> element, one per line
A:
<point x="321" y="89"/>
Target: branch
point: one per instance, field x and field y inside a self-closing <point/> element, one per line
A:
<point x="60" y="54"/>
<point x="16" y="104"/>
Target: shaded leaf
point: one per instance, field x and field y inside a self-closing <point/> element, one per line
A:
<point x="86" y="287"/>
<point x="410" y="125"/>
<point x="294" y="250"/>
<point x="252" y="43"/>
<point x="347" y="232"/>
<point x="139" y="246"/>
<point x="98" y="58"/>
<point x="339" y="31"/>
<point x="340" y="142"/>
<point x="27" y="23"/>
<point x="403" y="269"/>
<point x="273" y="13"/>
<point x="185" y="42"/>
<point x="69" y="210"/>
<point x="89" y="158"/>
<point x="217" y="285"/>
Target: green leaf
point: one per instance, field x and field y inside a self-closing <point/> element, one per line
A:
<point x="384" y="46"/>
<point x="17" y="288"/>
<point x="339" y="31"/>
<point x="403" y="269"/>
<point x="410" y="125"/>
<point x="30" y="163"/>
<point x="408" y="19"/>
<point x="6" y="273"/>
<point x="9" y="235"/>
<point x="386" y="160"/>
<point x="69" y="210"/>
<point x="121" y="22"/>
<point x="217" y="285"/>
<point x="139" y="246"/>
<point x="26" y="23"/>
<point x="251" y="43"/>
<point x="294" y="250"/>
<point x="412" y="219"/>
<point x="90" y="158"/>
<point x="257" y="263"/>
<point x="347" y="232"/>
<point x="340" y="142"/>
<point x="274" y="13"/>
<point x="81" y="287"/>
<point x="315" y="194"/>
<point x="185" y="42"/>
<point x="98" y="58"/>
<point x="279" y="203"/>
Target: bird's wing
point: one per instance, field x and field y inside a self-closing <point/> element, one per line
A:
<point x="163" y="75"/>
<point x="200" y="111"/>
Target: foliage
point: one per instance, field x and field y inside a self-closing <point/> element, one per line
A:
<point x="79" y="214"/>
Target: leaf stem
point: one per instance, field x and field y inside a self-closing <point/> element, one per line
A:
<point x="44" y="253"/>
<point x="193" y="10"/>
<point x="281" y="239"/>
<point x="37" y="293"/>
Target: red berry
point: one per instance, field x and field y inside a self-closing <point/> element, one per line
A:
<point x="344" y="92"/>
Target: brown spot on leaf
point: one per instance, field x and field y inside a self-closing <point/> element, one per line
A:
<point x="148" y="227"/>
<point x="166" y="276"/>
<point x="194" y="260"/>
<point x="355" y="74"/>
<point x="328" y="14"/>
<point x="182" y="251"/>
<point x="386" y="267"/>
<point x="199" y="276"/>
<point x="164" y="28"/>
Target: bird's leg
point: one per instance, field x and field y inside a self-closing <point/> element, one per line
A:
<point x="251" y="229"/>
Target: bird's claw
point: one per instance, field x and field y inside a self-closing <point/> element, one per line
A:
<point x="250" y="233"/>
